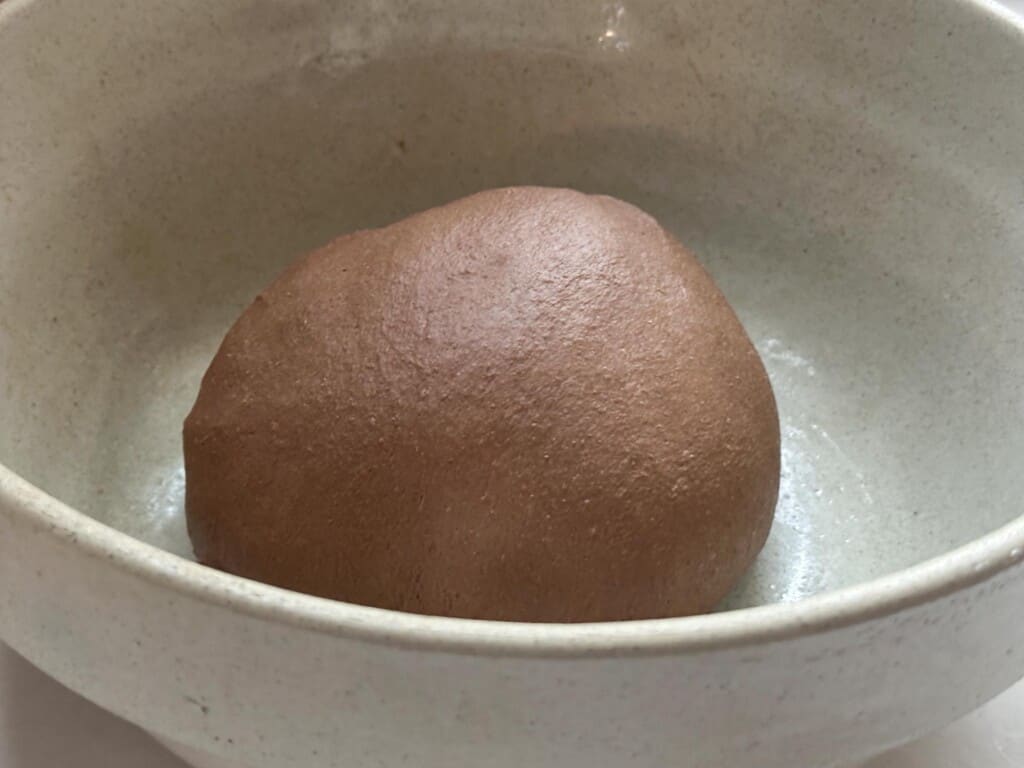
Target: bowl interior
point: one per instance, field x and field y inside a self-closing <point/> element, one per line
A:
<point x="869" y="240"/>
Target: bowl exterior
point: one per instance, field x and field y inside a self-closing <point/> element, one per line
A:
<point x="205" y="672"/>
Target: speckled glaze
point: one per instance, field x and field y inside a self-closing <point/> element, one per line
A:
<point x="849" y="173"/>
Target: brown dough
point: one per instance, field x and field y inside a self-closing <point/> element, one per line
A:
<point x="530" y="404"/>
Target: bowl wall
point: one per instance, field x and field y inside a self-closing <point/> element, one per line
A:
<point x="854" y="189"/>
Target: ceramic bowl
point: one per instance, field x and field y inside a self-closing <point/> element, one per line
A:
<point x="849" y="172"/>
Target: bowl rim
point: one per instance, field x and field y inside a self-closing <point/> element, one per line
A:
<point x="973" y="563"/>
<point x="978" y="561"/>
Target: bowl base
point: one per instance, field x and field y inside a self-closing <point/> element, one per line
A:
<point x="194" y="757"/>
<point x="200" y="759"/>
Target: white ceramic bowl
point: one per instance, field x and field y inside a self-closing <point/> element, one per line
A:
<point x="851" y="174"/>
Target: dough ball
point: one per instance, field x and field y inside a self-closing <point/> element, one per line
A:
<point x="530" y="404"/>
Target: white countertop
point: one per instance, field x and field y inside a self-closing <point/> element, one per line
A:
<point x="34" y="709"/>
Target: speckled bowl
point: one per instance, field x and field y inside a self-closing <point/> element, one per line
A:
<point x="850" y="173"/>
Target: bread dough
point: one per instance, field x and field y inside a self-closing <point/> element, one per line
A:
<point x="530" y="404"/>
